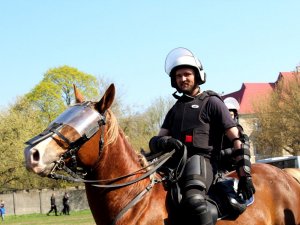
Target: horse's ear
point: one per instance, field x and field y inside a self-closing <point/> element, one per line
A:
<point x="78" y="96"/>
<point x="107" y="99"/>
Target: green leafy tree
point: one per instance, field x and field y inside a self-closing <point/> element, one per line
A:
<point x="55" y="92"/>
<point x="64" y="77"/>
<point x="279" y="119"/>
<point x="17" y="125"/>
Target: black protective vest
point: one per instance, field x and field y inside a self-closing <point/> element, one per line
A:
<point x="188" y="125"/>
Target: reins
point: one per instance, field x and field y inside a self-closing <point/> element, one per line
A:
<point x="60" y="165"/>
<point x="156" y="165"/>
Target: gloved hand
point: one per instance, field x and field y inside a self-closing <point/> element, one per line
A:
<point x="245" y="187"/>
<point x="169" y="143"/>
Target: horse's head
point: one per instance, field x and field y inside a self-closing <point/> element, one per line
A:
<point x="79" y="125"/>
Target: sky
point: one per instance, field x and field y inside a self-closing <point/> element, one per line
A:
<point x="126" y="41"/>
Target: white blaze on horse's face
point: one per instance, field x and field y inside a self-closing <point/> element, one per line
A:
<point x="39" y="159"/>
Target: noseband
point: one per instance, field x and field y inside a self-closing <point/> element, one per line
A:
<point x="86" y="121"/>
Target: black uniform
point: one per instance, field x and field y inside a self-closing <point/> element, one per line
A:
<point x="66" y="208"/>
<point x="53" y="205"/>
<point x="199" y="122"/>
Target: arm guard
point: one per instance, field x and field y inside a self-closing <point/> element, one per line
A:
<point x="242" y="156"/>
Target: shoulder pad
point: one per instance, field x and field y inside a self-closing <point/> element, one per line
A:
<point x="211" y="93"/>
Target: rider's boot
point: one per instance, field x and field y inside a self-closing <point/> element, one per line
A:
<point x="197" y="210"/>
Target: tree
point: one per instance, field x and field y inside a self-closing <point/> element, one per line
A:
<point x="140" y="127"/>
<point x="55" y="92"/>
<point x="279" y="119"/>
<point x="17" y="125"/>
<point x="64" y="77"/>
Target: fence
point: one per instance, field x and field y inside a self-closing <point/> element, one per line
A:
<point x="38" y="201"/>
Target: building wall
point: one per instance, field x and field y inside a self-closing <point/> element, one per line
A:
<point x="248" y="122"/>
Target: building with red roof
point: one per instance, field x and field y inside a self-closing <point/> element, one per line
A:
<point x="248" y="95"/>
<point x="251" y="92"/>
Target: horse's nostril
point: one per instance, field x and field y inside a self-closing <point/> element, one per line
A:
<point x="36" y="156"/>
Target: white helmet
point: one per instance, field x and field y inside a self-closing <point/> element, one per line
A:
<point x="183" y="57"/>
<point x="232" y="103"/>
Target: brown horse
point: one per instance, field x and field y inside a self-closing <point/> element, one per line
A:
<point x="126" y="193"/>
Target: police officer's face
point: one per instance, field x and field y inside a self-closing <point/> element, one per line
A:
<point x="232" y="114"/>
<point x="185" y="80"/>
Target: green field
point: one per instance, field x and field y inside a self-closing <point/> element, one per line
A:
<point x="81" y="217"/>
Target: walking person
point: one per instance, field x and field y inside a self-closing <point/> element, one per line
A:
<point x="53" y="205"/>
<point x="2" y="210"/>
<point x="198" y="121"/>
<point x="66" y="205"/>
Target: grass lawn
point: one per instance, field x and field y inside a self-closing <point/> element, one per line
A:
<point x="83" y="217"/>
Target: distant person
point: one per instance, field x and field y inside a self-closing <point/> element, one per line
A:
<point x="66" y="206"/>
<point x="227" y="162"/>
<point x="233" y="106"/>
<point x="2" y="210"/>
<point x="53" y="205"/>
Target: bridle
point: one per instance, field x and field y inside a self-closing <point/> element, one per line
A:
<point x="87" y="122"/>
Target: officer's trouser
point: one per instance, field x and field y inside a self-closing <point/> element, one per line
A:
<point x="197" y="178"/>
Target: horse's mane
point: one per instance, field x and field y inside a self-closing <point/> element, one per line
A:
<point x="112" y="134"/>
<point x="113" y="128"/>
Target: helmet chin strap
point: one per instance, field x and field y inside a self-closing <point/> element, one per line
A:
<point x="177" y="96"/>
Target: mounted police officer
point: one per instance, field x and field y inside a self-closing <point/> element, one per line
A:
<point x="233" y="106"/>
<point x="198" y="120"/>
<point x="227" y="163"/>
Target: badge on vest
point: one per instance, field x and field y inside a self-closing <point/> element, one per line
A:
<point x="195" y="106"/>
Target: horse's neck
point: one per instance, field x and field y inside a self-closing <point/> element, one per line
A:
<point x="119" y="159"/>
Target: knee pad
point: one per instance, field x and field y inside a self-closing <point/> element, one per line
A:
<point x="194" y="202"/>
<point x="197" y="209"/>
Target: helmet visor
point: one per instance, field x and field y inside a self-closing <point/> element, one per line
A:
<point x="180" y="56"/>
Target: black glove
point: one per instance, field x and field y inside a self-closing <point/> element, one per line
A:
<point x="169" y="143"/>
<point x="164" y="143"/>
<point x="245" y="187"/>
